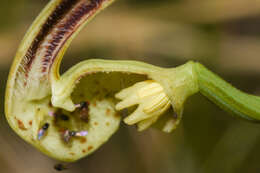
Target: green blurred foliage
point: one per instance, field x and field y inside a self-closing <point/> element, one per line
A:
<point x="165" y="33"/>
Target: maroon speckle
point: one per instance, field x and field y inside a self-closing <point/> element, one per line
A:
<point x="108" y="111"/>
<point x="20" y="124"/>
<point x="62" y="130"/>
<point x="117" y="115"/>
<point x="83" y="140"/>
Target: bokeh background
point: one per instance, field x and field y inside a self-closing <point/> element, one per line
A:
<point x="222" y="34"/>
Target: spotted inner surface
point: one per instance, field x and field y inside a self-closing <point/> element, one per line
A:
<point x="63" y="135"/>
<point x="73" y="135"/>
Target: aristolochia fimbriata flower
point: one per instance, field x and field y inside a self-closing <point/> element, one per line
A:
<point x="71" y="115"/>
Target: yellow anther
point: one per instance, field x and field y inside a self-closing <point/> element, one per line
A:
<point x="151" y="100"/>
<point x="151" y="88"/>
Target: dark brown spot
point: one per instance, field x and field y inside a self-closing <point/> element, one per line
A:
<point x="108" y="111"/>
<point x="83" y="140"/>
<point x="62" y="130"/>
<point x="83" y="151"/>
<point x="117" y="115"/>
<point x="30" y="122"/>
<point x="90" y="148"/>
<point x="95" y="104"/>
<point x="20" y="124"/>
<point x="95" y="123"/>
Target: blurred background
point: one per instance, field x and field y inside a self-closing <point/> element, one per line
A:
<point x="224" y="35"/>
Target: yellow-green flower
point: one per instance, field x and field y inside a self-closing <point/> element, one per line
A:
<point x="71" y="115"/>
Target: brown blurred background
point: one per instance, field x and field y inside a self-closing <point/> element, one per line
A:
<point x="222" y="34"/>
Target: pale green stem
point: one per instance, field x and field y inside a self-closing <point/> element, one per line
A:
<point x="226" y="96"/>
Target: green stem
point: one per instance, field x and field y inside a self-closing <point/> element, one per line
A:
<point x="226" y="96"/>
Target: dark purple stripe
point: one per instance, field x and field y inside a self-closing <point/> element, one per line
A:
<point x="68" y="27"/>
<point x="56" y="15"/>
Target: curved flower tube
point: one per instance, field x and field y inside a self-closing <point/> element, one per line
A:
<point x="69" y="116"/>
